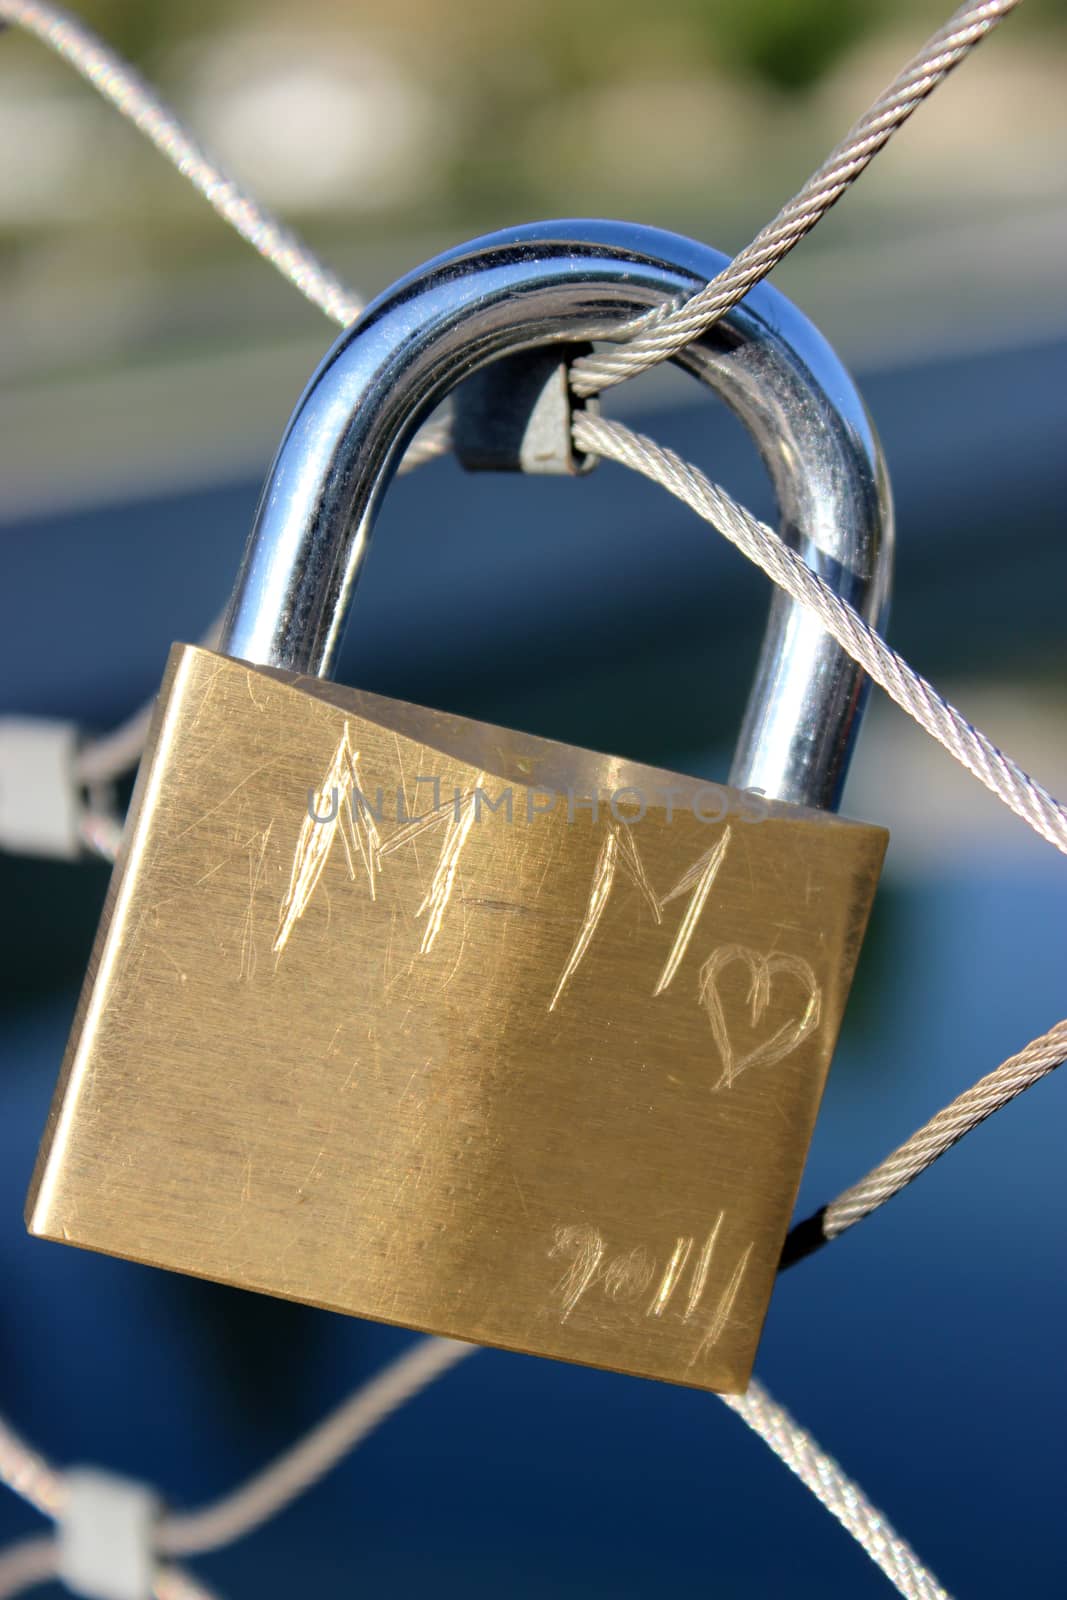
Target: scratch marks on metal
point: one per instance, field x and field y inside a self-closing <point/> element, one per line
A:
<point x="722" y="1313"/>
<point x="603" y="878"/>
<point x="669" y="1281"/>
<point x="315" y="842"/>
<point x="255" y="873"/>
<point x="620" y="850"/>
<point x="444" y="878"/>
<point x="700" y="1271"/>
<point x="700" y="877"/>
<point x="633" y="864"/>
<point x="628" y="1275"/>
<point x="625" y="1276"/>
<point x="586" y="1247"/>
<point x="363" y="831"/>
<point x="350" y="817"/>
<point x="761" y="969"/>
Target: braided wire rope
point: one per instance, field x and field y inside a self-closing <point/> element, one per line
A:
<point x="904" y="1164"/>
<point x="297" y="1469"/>
<point x="36" y="1560"/>
<point x="911" y="691"/>
<point x="119" y="83"/>
<point x="920" y="700"/>
<point x="659" y="334"/>
<point x="653" y="339"/>
<point x="834" y="1490"/>
<point x="27" y="1563"/>
<point x="115" y="80"/>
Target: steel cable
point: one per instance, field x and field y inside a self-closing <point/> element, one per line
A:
<point x="296" y="1470"/>
<point x="911" y="691"/>
<point x="652" y="339"/>
<point x="117" y="81"/>
<point x="904" y="1164"/>
<point x="661" y="333"/>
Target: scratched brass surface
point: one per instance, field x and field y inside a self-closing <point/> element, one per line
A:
<point x="545" y="1081"/>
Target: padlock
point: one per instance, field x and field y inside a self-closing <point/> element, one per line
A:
<point x="411" y="1017"/>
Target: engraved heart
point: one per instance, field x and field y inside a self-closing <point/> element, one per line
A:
<point x="762" y="969"/>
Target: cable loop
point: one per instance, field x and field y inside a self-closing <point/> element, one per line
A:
<point x="649" y="341"/>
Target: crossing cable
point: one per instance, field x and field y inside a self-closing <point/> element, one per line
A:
<point x="904" y="1164"/>
<point x="32" y="1561"/>
<point x="661" y="333"/>
<point x="652" y="338"/>
<point x="1015" y="788"/>
<point x="1022" y="794"/>
<point x="117" y="81"/>
<point x="297" y="1469"/>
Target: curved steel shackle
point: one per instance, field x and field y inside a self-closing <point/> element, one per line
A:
<point x="567" y="282"/>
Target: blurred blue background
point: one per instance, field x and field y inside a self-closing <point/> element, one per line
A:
<point x="147" y="366"/>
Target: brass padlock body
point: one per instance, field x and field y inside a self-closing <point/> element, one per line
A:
<point x="535" y="1075"/>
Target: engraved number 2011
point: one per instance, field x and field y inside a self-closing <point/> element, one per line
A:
<point x="678" y="1285"/>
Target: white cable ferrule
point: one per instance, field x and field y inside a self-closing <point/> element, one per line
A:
<point x="106" y="1536"/>
<point x="40" y="803"/>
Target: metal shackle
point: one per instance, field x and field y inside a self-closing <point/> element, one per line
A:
<point x="565" y="282"/>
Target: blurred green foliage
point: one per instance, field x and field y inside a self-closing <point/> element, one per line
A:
<point x="784" y="44"/>
<point x="787" y="44"/>
<point x="451" y="118"/>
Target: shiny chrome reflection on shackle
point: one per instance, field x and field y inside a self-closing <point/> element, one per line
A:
<point x="567" y="282"/>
